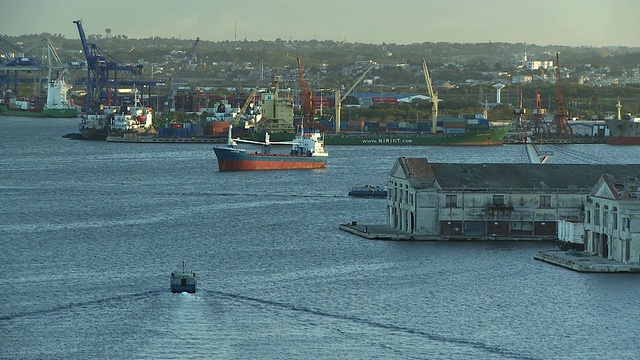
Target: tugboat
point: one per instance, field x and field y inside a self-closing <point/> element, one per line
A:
<point x="184" y="281"/>
<point x="369" y="191"/>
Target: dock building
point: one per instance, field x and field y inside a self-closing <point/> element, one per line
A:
<point x="440" y="201"/>
<point x="612" y="219"/>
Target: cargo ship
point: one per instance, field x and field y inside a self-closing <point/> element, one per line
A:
<point x="56" y="105"/>
<point x="624" y="131"/>
<point x="275" y="118"/>
<point x="95" y="126"/>
<point x="131" y="122"/>
<point x="307" y="152"/>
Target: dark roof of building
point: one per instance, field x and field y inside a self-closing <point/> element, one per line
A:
<point x="416" y="168"/>
<point x="623" y="187"/>
<point x="518" y="176"/>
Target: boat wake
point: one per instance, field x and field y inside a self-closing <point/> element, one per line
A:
<point x="378" y="325"/>
<point x="79" y="305"/>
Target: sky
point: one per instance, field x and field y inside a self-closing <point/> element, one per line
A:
<point x="539" y="22"/>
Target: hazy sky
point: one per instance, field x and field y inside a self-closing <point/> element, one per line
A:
<point x="541" y="22"/>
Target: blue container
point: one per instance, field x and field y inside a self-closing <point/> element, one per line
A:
<point x="164" y="132"/>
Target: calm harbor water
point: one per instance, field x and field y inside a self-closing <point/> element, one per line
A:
<point x="90" y="232"/>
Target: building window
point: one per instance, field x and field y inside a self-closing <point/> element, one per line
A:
<point x="596" y="214"/>
<point x="498" y="200"/>
<point x="451" y="201"/>
<point x="588" y="216"/>
<point x="614" y="218"/>
<point x="605" y="216"/>
<point x="545" y="201"/>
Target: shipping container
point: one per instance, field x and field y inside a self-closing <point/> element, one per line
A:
<point x="454" y="130"/>
<point x="457" y="125"/>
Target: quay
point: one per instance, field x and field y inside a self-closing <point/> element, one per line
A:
<point x="584" y="262"/>
<point x="384" y="232"/>
<point x="557" y="141"/>
<point x="169" y="140"/>
<point x="572" y="260"/>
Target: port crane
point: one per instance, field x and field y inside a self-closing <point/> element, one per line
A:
<point x="339" y="99"/>
<point x="559" y="125"/>
<point x="537" y="123"/>
<point x="53" y="58"/>
<point x="104" y="74"/>
<point x="306" y="96"/>
<point x="174" y="82"/>
<point x="13" y="60"/>
<point x="433" y="96"/>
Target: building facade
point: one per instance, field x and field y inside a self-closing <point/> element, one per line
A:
<point x="488" y="201"/>
<point x="612" y="219"/>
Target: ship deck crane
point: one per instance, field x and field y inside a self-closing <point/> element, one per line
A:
<point x="559" y="123"/>
<point x="433" y="96"/>
<point x="174" y="82"/>
<point x="339" y="99"/>
<point x="249" y="101"/>
<point x="306" y="96"/>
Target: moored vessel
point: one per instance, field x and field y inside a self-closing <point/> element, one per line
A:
<point x="369" y="191"/>
<point x="307" y="152"/>
<point x="624" y="131"/>
<point x="56" y="104"/>
<point x="488" y="137"/>
<point x="95" y="126"/>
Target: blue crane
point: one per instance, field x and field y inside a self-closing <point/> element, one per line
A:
<point x="104" y="74"/>
<point x="13" y="60"/>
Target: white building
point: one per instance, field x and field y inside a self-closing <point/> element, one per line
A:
<point x="612" y="219"/>
<point x="489" y="201"/>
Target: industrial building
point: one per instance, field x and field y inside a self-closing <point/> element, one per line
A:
<point x="439" y="201"/>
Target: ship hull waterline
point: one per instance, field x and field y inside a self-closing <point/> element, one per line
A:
<point x="238" y="160"/>
<point x="52" y="113"/>
<point x="624" y="140"/>
<point x="473" y="138"/>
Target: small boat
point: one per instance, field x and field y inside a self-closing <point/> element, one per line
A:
<point x="184" y="281"/>
<point x="369" y="191"/>
<point x="307" y="152"/>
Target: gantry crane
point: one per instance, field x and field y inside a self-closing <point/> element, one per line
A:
<point x="560" y="125"/>
<point x="339" y="99"/>
<point x="433" y="96"/>
<point x="174" y="81"/>
<point x="103" y="75"/>
<point x="306" y="97"/>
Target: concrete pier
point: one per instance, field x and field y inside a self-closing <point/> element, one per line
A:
<point x="383" y="232"/>
<point x="587" y="263"/>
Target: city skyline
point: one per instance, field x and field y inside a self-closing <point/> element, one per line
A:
<point x="546" y="22"/>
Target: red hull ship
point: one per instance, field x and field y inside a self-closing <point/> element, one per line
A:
<point x="307" y="152"/>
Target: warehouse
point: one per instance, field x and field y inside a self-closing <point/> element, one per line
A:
<point x="490" y="201"/>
